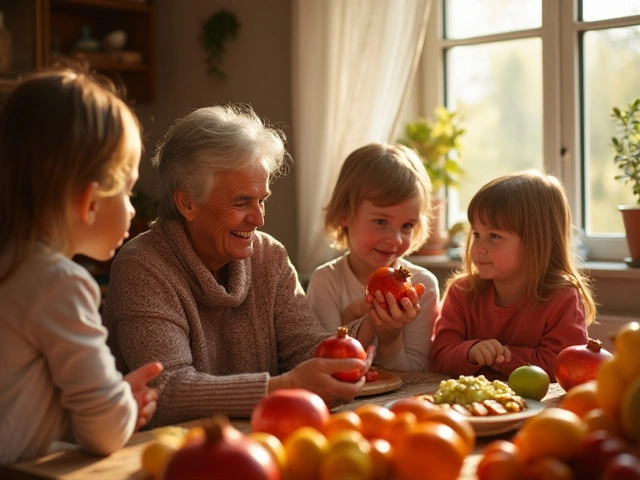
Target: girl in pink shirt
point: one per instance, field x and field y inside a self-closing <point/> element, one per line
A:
<point x="520" y="298"/>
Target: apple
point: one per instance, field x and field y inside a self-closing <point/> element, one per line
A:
<point x="578" y="364"/>
<point x="624" y="466"/>
<point x="281" y="412"/>
<point x="529" y="381"/>
<point x="596" y="452"/>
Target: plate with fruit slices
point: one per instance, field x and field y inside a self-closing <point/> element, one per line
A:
<point x="497" y="424"/>
<point x="492" y="407"/>
<point x="385" y="382"/>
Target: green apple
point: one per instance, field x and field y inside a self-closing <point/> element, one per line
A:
<point x="529" y="381"/>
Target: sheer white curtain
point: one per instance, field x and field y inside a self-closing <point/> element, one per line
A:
<point x="353" y="61"/>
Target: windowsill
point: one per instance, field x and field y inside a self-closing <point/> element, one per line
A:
<point x="612" y="270"/>
<point x="598" y="269"/>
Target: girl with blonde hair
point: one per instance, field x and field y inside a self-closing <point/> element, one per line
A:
<point x="69" y="155"/>
<point x="379" y="212"/>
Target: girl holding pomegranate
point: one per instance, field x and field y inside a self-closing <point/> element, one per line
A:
<point x="521" y="297"/>
<point x="209" y="294"/>
<point x="64" y="193"/>
<point x="379" y="212"/>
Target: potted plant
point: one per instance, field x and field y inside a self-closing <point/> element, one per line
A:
<point x="438" y="142"/>
<point x="627" y="158"/>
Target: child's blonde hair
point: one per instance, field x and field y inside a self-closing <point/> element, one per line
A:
<point x="385" y="175"/>
<point x="60" y="131"/>
<point x="534" y="206"/>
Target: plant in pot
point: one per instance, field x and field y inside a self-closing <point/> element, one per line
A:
<point x="627" y="157"/>
<point x="438" y="142"/>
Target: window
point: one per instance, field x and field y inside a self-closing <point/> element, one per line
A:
<point x="534" y="82"/>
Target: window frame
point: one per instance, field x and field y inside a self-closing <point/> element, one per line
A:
<point x="561" y="34"/>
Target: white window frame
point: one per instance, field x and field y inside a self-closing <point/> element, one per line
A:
<point x="561" y="102"/>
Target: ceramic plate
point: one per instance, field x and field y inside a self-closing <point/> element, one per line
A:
<point x="495" y="425"/>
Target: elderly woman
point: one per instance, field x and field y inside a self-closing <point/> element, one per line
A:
<point x="207" y="294"/>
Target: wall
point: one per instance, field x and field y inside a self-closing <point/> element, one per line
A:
<point x="257" y="65"/>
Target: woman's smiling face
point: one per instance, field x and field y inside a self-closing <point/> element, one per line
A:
<point x="222" y="229"/>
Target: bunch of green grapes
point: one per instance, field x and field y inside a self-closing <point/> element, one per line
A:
<point x="469" y="389"/>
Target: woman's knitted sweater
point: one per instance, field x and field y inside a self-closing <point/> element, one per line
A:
<point x="218" y="345"/>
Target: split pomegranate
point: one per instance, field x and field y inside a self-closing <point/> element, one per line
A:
<point x="387" y="279"/>
<point x="342" y="346"/>
<point x="226" y="453"/>
<point x="578" y="364"/>
<point x="283" y="411"/>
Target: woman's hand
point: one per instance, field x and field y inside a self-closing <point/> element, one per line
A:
<point x="144" y="395"/>
<point x="315" y="375"/>
<point x="488" y="352"/>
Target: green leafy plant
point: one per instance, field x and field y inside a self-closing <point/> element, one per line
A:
<point x="439" y="145"/>
<point x="216" y="30"/>
<point x="627" y="145"/>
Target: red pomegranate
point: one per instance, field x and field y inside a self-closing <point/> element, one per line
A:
<point x="226" y="453"/>
<point x="342" y="346"/>
<point x="578" y="364"/>
<point x="387" y="279"/>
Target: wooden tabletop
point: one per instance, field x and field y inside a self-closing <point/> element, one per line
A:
<point x="70" y="463"/>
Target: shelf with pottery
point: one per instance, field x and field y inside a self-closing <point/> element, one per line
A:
<point x="114" y="37"/>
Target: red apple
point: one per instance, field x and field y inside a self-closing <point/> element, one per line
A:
<point x="283" y="411"/>
<point x="579" y="363"/>
<point x="596" y="451"/>
<point x="623" y="467"/>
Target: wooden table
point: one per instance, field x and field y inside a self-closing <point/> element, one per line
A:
<point x="70" y="463"/>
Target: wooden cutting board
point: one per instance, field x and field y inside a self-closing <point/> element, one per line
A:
<point x="387" y="382"/>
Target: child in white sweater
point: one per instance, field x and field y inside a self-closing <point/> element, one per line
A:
<point x="379" y="212"/>
<point x="69" y="156"/>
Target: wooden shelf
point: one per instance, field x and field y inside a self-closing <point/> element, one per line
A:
<point x="65" y="20"/>
<point x="45" y="31"/>
<point x="124" y="5"/>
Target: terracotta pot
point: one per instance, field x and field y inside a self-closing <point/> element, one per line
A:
<point x="631" y="218"/>
<point x="436" y="244"/>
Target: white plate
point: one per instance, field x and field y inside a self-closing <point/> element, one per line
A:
<point x="495" y="425"/>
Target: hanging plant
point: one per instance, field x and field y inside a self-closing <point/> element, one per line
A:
<point x="216" y="30"/>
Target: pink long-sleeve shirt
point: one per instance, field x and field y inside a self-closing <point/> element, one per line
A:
<point x="534" y="336"/>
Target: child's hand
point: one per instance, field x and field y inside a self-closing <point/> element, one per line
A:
<point x="145" y="396"/>
<point x="488" y="352"/>
<point x="391" y="320"/>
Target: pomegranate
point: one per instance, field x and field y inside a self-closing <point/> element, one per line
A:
<point x="371" y="376"/>
<point x="283" y="411"/>
<point x="387" y="279"/>
<point x="342" y="346"/>
<point x="578" y="364"/>
<point x="226" y="453"/>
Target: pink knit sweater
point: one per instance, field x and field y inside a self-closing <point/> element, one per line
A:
<point x="218" y="345"/>
<point x="534" y="335"/>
